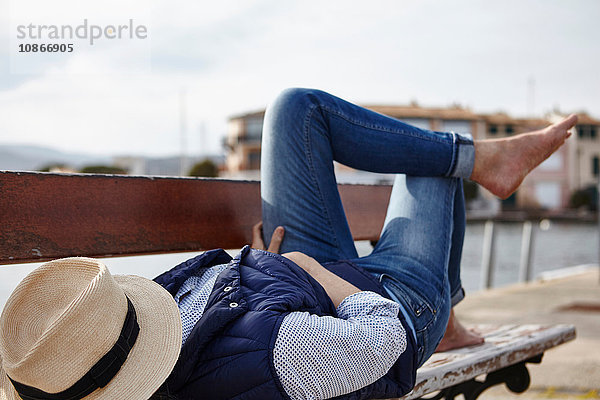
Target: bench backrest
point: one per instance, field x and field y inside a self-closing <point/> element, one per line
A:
<point x="45" y="216"/>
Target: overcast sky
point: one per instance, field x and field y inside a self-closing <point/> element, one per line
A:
<point x="229" y="57"/>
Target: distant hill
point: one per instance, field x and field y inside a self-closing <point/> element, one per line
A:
<point x="33" y="158"/>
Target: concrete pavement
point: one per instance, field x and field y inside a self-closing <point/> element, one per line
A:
<point x="569" y="371"/>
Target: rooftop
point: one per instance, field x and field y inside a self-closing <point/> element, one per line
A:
<point x="455" y="112"/>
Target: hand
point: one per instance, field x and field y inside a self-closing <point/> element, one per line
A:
<point x="276" y="239"/>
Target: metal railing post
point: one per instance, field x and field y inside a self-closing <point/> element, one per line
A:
<point x="487" y="259"/>
<point x="526" y="252"/>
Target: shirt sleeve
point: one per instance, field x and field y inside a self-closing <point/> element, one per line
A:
<point x="322" y="357"/>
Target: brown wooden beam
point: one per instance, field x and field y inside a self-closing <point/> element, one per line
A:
<point x="45" y="215"/>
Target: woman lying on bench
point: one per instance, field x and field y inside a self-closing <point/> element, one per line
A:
<point x="315" y="322"/>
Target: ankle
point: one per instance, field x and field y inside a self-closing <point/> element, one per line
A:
<point x="484" y="157"/>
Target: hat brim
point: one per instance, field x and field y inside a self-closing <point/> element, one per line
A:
<point x="154" y="354"/>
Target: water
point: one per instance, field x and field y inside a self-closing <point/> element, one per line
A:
<point x="561" y="245"/>
<point x="556" y="246"/>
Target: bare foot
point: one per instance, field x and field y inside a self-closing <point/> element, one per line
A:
<point x="458" y="336"/>
<point x="502" y="164"/>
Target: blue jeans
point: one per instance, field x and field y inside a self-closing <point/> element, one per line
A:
<point x="417" y="258"/>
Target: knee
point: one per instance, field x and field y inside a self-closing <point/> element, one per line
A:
<point x="285" y="115"/>
<point x="292" y="103"/>
<point x="294" y="96"/>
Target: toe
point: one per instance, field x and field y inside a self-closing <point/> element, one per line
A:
<point x="567" y="123"/>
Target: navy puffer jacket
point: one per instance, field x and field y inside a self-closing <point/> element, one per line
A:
<point x="229" y="353"/>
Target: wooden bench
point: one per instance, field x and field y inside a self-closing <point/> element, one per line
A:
<point x="46" y="216"/>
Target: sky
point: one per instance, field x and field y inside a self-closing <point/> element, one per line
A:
<point x="204" y="61"/>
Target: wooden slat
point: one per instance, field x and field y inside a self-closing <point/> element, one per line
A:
<point x="45" y="216"/>
<point x="504" y="345"/>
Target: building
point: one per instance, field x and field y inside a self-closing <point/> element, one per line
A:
<point x="244" y="135"/>
<point x="454" y="118"/>
<point x="585" y="168"/>
<point x="547" y="186"/>
<point x="574" y="166"/>
<point x="243" y="142"/>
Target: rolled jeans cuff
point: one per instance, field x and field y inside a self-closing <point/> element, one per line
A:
<point x="457" y="296"/>
<point x="464" y="155"/>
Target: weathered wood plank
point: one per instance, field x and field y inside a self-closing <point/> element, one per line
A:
<point x="504" y="345"/>
<point x="45" y="216"/>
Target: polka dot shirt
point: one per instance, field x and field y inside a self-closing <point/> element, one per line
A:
<point x="319" y="357"/>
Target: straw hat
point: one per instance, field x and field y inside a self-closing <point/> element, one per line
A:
<point x="70" y="315"/>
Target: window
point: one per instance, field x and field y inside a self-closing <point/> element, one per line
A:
<point x="548" y="194"/>
<point x="254" y="128"/>
<point x="254" y="160"/>
<point x="509" y="129"/>
<point x="458" y="126"/>
<point x="493" y="129"/>
<point x="587" y="131"/>
<point x="596" y="165"/>
<point x="553" y="163"/>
